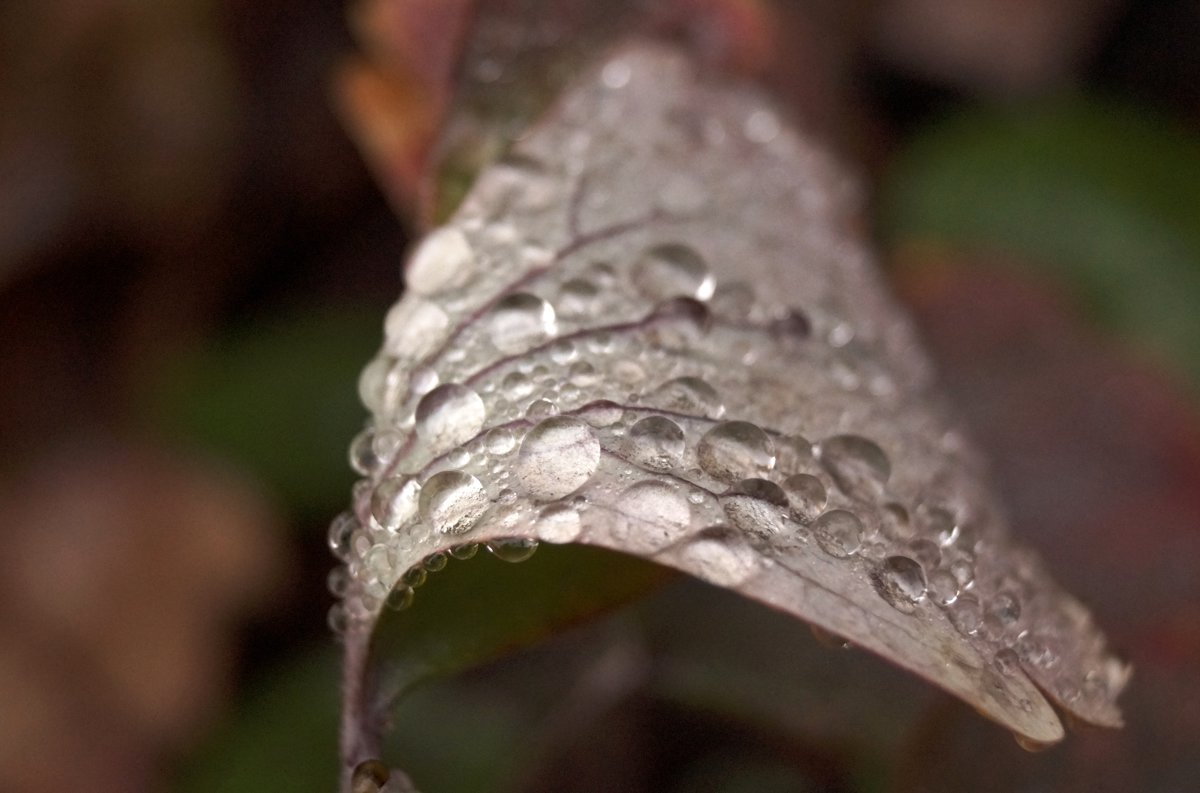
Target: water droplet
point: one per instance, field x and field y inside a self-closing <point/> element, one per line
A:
<point x="443" y="260"/>
<point x="943" y="587"/>
<point x="894" y="522"/>
<point x="792" y="325"/>
<point x="465" y="552"/>
<point x="901" y="582"/>
<point x="558" y="523"/>
<point x="762" y="126"/>
<point x="673" y="270"/>
<point x="656" y="442"/>
<point x="414" y="576"/>
<point x="400" y="597"/>
<point x="578" y="298"/>
<point x="563" y="352"/>
<point x="516" y="385"/>
<point x="500" y="441"/>
<point x="736" y="450"/>
<point x="925" y="551"/>
<point x="756" y="506"/>
<point x="520" y="321"/>
<point x="583" y="375"/>
<point x="338" y="581"/>
<point x="688" y="395"/>
<point x="651" y="515"/>
<point x="1003" y="611"/>
<point x="760" y="489"/>
<point x="424" y="379"/>
<point x="794" y="454"/>
<point x="394" y="502"/>
<point x="937" y="523"/>
<point x="557" y="457"/>
<point x="806" y="495"/>
<point x="337" y="619"/>
<point x="858" y="466"/>
<point x="372" y="383"/>
<point x="513" y="549"/>
<point x="453" y="501"/>
<point x="601" y="413"/>
<point x="720" y="555"/>
<point x="363" y="459"/>
<point x="964" y="572"/>
<point x="966" y="614"/>
<point x="414" y="327"/>
<point x="541" y="409"/>
<point x="435" y="562"/>
<point x="341" y="532"/>
<point x="838" y="532"/>
<point x="449" y="416"/>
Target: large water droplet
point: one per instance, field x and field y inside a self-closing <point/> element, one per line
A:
<point x="673" y="270"/>
<point x="414" y="327"/>
<point x="557" y="457"/>
<point x="558" y="523"/>
<point x="656" y="442"/>
<point x="736" y="450"/>
<point x="858" y="466"/>
<point x="453" y="501"/>
<point x="756" y="506"/>
<point x="520" y="321"/>
<point x="449" y="416"/>
<point x="688" y="395"/>
<point x="806" y="495"/>
<point x="651" y="515"/>
<point x="443" y="260"/>
<point x="838" y="532"/>
<point x="901" y="582"/>
<point x="720" y="555"/>
<point x="394" y="502"/>
<point x="513" y="549"/>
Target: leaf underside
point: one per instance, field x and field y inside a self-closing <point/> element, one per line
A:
<point x="652" y="329"/>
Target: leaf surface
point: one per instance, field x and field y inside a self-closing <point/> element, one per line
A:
<point x="652" y="328"/>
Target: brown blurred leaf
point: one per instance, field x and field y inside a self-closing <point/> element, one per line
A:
<point x="628" y="336"/>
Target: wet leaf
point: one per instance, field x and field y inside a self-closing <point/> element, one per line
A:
<point x="651" y="329"/>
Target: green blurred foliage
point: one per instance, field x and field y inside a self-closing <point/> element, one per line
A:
<point x="1098" y="194"/>
<point x="278" y="399"/>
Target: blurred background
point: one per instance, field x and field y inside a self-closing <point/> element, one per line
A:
<point x="195" y="263"/>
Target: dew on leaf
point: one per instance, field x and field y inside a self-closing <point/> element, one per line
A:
<point x="414" y="327"/>
<point x="901" y="582"/>
<point x="453" y="501"/>
<point x="858" y="466"/>
<point x="558" y="523"/>
<point x="688" y="395"/>
<point x="838" y="532"/>
<point x="721" y="555"/>
<point x="520" y="321"/>
<point x="557" y="457"/>
<point x="806" y="496"/>
<point x="656" y="442"/>
<point x="443" y="260"/>
<point x="673" y="270"/>
<point x="500" y="441"/>
<point x="652" y="514"/>
<point x="449" y="416"/>
<point x="736" y="450"/>
<point x="513" y="549"/>
<point x="943" y="587"/>
<point x="394" y="501"/>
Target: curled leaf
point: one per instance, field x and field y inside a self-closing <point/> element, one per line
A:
<point x="651" y="328"/>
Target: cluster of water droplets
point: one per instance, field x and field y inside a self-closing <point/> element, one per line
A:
<point x="543" y="380"/>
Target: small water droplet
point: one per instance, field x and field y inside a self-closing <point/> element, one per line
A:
<point x="465" y="552"/>
<point x="656" y="442"/>
<point x="966" y="614"/>
<point x="894" y="522"/>
<point x="337" y="619"/>
<point x="858" y="466"/>
<point x="424" y="379"/>
<point x="443" y="260"/>
<point x="520" y="321"/>
<point x="449" y="416"/>
<point x="453" y="501"/>
<point x="400" y="597"/>
<point x="338" y="581"/>
<point x="363" y="459"/>
<point x="838" y="532"/>
<point x="414" y="576"/>
<point x="735" y="450"/>
<point x="578" y="298"/>
<point x="558" y="523"/>
<point x="937" y="523"/>
<point x="1003" y="611"/>
<point x="806" y="495"/>
<point x="513" y="549"/>
<point x="964" y="572"/>
<point x="557" y="457"/>
<point x="926" y="552"/>
<point x="341" y="532"/>
<point x="516" y="385"/>
<point x="720" y="555"/>
<point x="688" y="395"/>
<point x="651" y="515"/>
<point x="541" y="409"/>
<point x="414" y="327"/>
<point x="756" y="506"/>
<point x="435" y="562"/>
<point x="943" y="587"/>
<point x="673" y="270"/>
<point x="394" y="502"/>
<point x="901" y="582"/>
<point x="500" y="441"/>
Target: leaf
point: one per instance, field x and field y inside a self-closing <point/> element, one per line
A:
<point x="651" y="329"/>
